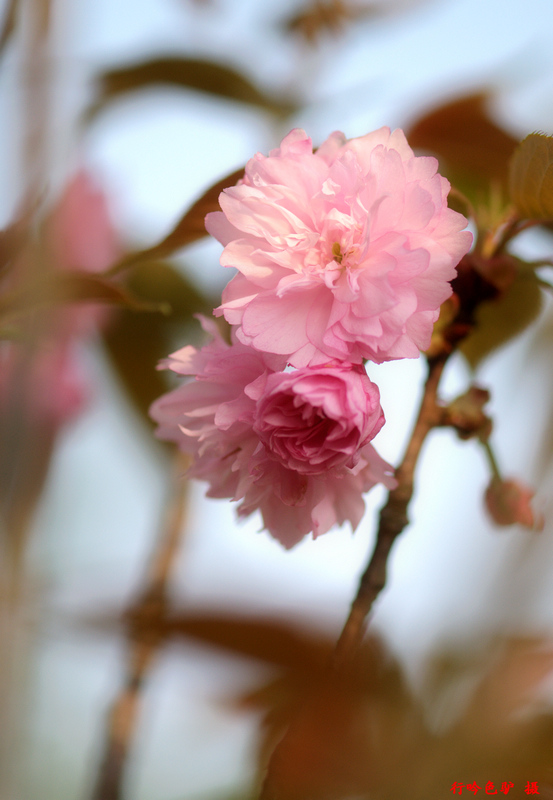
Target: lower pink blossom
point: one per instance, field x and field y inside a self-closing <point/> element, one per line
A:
<point x="295" y="445"/>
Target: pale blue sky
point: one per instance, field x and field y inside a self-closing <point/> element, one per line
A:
<point x="154" y="155"/>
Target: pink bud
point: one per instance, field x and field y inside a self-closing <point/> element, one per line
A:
<point x="508" y="503"/>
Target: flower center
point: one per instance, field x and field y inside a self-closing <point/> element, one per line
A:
<point x="337" y="252"/>
<point x="344" y="258"/>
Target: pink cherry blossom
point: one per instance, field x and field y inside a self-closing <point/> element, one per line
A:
<point x="44" y="378"/>
<point x="47" y="387"/>
<point x="295" y="445"/>
<point x="342" y="254"/>
<point x="80" y="233"/>
<point x="80" y="237"/>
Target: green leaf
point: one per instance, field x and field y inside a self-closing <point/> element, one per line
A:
<point x="498" y="321"/>
<point x="184" y="73"/>
<point x="473" y="150"/>
<point x="188" y="229"/>
<point x="14" y="238"/>
<point x="531" y="177"/>
<point x="135" y="343"/>
<point x="160" y="284"/>
<point x="73" y="287"/>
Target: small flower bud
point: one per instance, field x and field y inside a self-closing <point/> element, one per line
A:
<point x="466" y="414"/>
<point x="508" y="503"/>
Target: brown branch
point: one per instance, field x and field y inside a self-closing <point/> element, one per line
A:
<point x="8" y="25"/>
<point x="393" y="519"/>
<point x="145" y="637"/>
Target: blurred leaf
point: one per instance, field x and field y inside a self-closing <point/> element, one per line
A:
<point x="74" y="287"/>
<point x="372" y="740"/>
<point x="340" y="735"/>
<point x="327" y="16"/>
<point x="531" y="177"/>
<point x="274" y="642"/>
<point x="517" y="675"/>
<point x="26" y="447"/>
<point x="541" y="348"/>
<point x="472" y="149"/>
<point x="360" y="732"/>
<point x="188" y="229"/>
<point x="136" y="342"/>
<point x="13" y="335"/>
<point x="160" y="283"/>
<point x="498" y="321"/>
<point x="13" y="239"/>
<point x="184" y="73"/>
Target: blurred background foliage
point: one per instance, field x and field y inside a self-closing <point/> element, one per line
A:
<point x="142" y="654"/>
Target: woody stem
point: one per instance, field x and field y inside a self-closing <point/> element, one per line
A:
<point x="393" y="518"/>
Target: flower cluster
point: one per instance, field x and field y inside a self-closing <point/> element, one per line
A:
<point x="342" y="255"/>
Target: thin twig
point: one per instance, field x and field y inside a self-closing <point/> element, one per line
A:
<point x="145" y="638"/>
<point x="492" y="461"/>
<point x="8" y="25"/>
<point x="393" y="519"/>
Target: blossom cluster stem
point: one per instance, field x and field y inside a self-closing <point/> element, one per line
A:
<point x="393" y="518"/>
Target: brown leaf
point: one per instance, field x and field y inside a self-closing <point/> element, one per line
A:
<point x="473" y="150"/>
<point x="188" y="229"/>
<point x="271" y="641"/>
<point x="184" y="73"/>
<point x="499" y="320"/>
<point x="498" y="716"/>
<point x="346" y="734"/>
<point x="531" y="177"/>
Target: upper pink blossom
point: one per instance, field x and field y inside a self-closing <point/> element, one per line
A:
<point x="295" y="445"/>
<point x="342" y="254"/>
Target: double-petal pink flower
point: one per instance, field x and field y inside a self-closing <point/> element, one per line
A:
<point x="342" y="254"/>
<point x="295" y="445"/>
